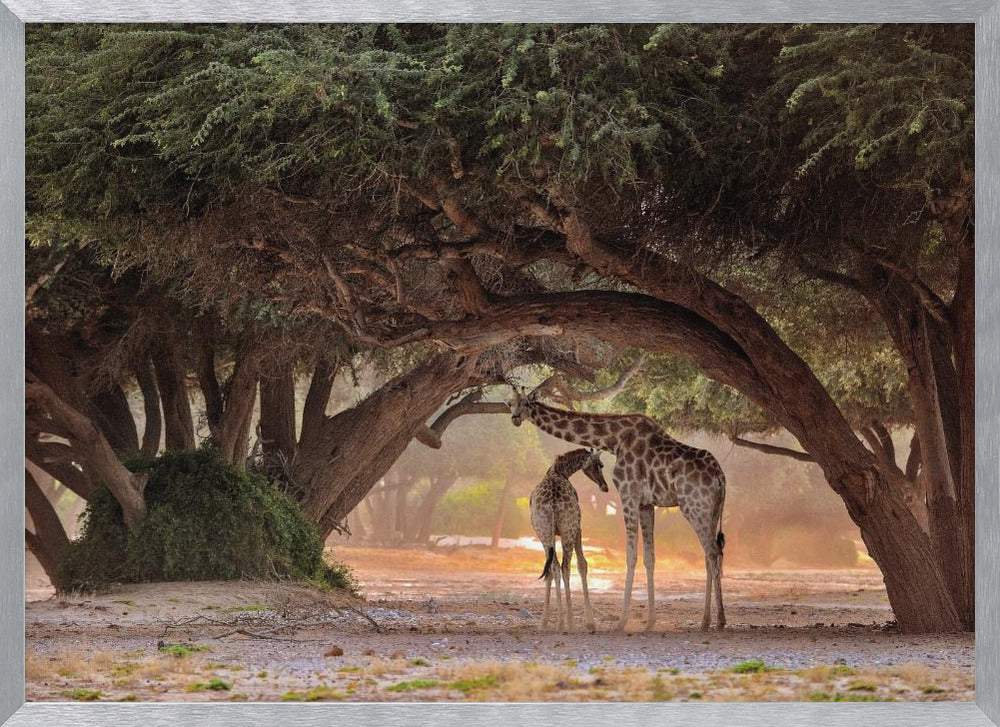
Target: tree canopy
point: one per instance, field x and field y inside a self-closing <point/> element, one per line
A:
<point x="780" y="215"/>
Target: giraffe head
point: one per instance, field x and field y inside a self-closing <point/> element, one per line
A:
<point x="588" y="460"/>
<point x="520" y="403"/>
<point x="593" y="467"/>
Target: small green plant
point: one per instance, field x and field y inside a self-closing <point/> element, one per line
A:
<point x="316" y="694"/>
<point x="418" y="661"/>
<point x="695" y="695"/>
<point x="841" y="670"/>
<point x="348" y="669"/>
<point x="841" y="697"/>
<point x="753" y="666"/>
<point x="932" y="689"/>
<point x="660" y="693"/>
<point x="126" y="602"/>
<point x="130" y="698"/>
<point x="181" y="650"/>
<point x="124" y="668"/>
<point x="411" y="685"/>
<point x="861" y="687"/>
<point x="238" y="697"/>
<point x="471" y="685"/>
<point x="83" y="695"/>
<point x="216" y="684"/>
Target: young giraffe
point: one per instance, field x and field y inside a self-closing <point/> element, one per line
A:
<point x="555" y="510"/>
<point x="653" y="470"/>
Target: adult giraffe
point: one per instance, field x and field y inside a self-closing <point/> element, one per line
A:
<point x="652" y="470"/>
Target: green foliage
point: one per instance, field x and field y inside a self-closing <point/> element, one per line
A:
<point x="206" y="520"/>
<point x="179" y="651"/>
<point x="752" y="666"/>
<point x="413" y="684"/>
<point x="83" y="695"/>
<point x="473" y="510"/>
<point x="216" y="684"/>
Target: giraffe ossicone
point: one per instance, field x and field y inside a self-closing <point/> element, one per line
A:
<point x="652" y="470"/>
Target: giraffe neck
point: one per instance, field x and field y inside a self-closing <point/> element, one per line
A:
<point x="589" y="430"/>
<point x="570" y="463"/>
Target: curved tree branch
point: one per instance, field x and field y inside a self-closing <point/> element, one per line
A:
<point x="431" y="435"/>
<point x="773" y="449"/>
<point x="557" y="389"/>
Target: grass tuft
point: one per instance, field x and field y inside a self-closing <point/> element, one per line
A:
<point x="753" y="666"/>
<point x="413" y="684"/>
<point x="182" y="650"/>
<point x="83" y="695"/>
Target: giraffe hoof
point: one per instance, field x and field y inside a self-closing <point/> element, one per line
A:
<point x="704" y="626"/>
<point x="592" y="627"/>
<point x="721" y="626"/>
<point x="650" y="627"/>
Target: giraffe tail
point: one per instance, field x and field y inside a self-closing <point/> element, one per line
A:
<point x="548" y="562"/>
<point x="720" y="537"/>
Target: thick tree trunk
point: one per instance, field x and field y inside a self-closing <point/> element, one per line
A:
<point x="920" y="596"/>
<point x="318" y="397"/>
<point x="277" y="414"/>
<point x="58" y="461"/>
<point x="48" y="539"/>
<point x="93" y="449"/>
<point x="151" y="406"/>
<point x="401" y="511"/>
<point x="111" y="411"/>
<point x="917" y="586"/>
<point x="940" y="408"/>
<point x="424" y="518"/>
<point x="172" y="382"/>
<point x="964" y="328"/>
<point x="234" y="431"/>
<point x="501" y="514"/>
<point x="229" y="409"/>
<point x="340" y="460"/>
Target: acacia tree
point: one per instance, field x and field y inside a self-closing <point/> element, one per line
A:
<point x="481" y="186"/>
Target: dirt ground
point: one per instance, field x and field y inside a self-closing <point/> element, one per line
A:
<point x="462" y="624"/>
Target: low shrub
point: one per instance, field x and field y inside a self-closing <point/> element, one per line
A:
<point x="206" y="520"/>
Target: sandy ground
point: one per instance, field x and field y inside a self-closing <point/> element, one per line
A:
<point x="463" y="624"/>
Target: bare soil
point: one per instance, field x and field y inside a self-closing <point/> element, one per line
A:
<point x="462" y="623"/>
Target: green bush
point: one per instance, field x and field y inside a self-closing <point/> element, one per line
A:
<point x="472" y="511"/>
<point x="206" y="520"/>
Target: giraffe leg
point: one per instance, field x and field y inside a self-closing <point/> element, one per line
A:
<point x="719" y="610"/>
<point x="581" y="566"/>
<point x="631" y="554"/>
<point x="648" y="559"/>
<point x="555" y="574"/>
<point x="567" y="557"/>
<point x="706" y="618"/>
<point x="548" y="586"/>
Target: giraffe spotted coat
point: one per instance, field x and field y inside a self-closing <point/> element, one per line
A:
<point x="555" y="512"/>
<point x="652" y="470"/>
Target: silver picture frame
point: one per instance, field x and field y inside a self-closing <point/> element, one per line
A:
<point x="986" y="16"/>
